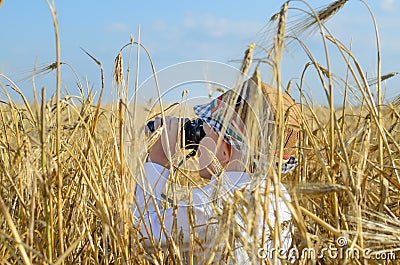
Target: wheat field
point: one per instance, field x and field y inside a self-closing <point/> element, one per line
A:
<point x="66" y="182"/>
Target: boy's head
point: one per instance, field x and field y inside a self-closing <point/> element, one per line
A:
<point x="211" y="148"/>
<point x="238" y="126"/>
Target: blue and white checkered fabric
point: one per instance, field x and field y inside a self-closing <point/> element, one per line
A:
<point x="204" y="113"/>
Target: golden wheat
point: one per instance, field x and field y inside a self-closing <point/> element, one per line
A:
<point x="67" y="179"/>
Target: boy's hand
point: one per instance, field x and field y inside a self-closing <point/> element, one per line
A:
<point x="159" y="151"/>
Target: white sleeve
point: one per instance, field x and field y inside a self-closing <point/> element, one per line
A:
<point x="149" y="187"/>
<point x="156" y="222"/>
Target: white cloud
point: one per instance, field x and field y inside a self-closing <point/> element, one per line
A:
<point x="389" y="6"/>
<point x="117" y="27"/>
<point x="160" y="25"/>
<point x="221" y="27"/>
<point x="207" y="26"/>
<point x="201" y="36"/>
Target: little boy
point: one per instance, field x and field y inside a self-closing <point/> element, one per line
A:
<point x="236" y="214"/>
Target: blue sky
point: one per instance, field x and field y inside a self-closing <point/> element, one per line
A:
<point x="174" y="32"/>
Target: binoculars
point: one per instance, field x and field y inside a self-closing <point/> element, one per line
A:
<point x="191" y="132"/>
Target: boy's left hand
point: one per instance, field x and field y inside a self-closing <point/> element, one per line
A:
<point x="159" y="151"/>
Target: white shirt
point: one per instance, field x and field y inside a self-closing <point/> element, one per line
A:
<point x="205" y="216"/>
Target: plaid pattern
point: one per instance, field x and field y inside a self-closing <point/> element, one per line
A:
<point x="289" y="165"/>
<point x="205" y="112"/>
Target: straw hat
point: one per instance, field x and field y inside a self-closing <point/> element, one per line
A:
<point x="291" y="115"/>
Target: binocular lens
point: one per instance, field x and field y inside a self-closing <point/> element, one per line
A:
<point x="192" y="130"/>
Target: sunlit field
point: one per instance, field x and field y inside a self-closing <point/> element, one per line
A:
<point x="69" y="165"/>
